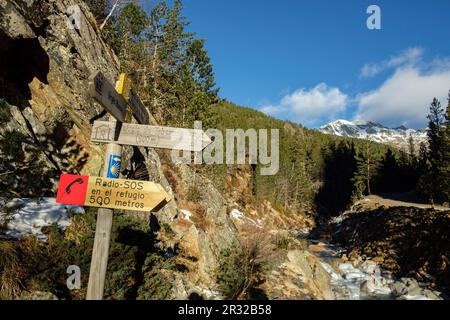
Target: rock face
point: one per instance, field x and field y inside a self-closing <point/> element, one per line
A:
<point x="45" y="68"/>
<point x="406" y="287"/>
<point x="300" y="277"/>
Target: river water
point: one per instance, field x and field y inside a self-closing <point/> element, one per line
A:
<point x="366" y="281"/>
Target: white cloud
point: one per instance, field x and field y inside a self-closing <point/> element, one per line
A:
<point x="310" y="107"/>
<point x="410" y="57"/>
<point x="404" y="98"/>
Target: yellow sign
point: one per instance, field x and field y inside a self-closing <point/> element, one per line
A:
<point x="111" y="193"/>
<point x="125" y="194"/>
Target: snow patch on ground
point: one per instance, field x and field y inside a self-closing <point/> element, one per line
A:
<point x="239" y="216"/>
<point x="26" y="217"/>
<point x="186" y="215"/>
<point x="236" y="214"/>
<point x="416" y="298"/>
<point x="210" y="294"/>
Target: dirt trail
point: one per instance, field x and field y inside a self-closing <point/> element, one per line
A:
<point x="397" y="200"/>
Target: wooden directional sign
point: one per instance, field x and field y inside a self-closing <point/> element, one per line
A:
<point x="139" y="111"/>
<point x="126" y="90"/>
<point x="151" y="136"/>
<point x="111" y="193"/>
<point x="107" y="96"/>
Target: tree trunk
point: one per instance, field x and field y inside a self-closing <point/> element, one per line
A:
<point x="155" y="81"/>
<point x="116" y="4"/>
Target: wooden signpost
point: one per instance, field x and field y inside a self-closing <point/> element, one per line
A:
<point x="150" y="136"/>
<point x="109" y="192"/>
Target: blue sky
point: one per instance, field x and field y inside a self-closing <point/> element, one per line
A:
<point x="315" y="61"/>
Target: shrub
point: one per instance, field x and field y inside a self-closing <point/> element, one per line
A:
<point x="242" y="266"/>
<point x="134" y="263"/>
<point x="158" y="283"/>
<point x="5" y="112"/>
<point x="283" y="243"/>
<point x="194" y="194"/>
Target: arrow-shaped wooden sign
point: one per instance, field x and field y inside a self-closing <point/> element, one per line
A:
<point x="107" y="96"/>
<point x="151" y="136"/>
<point x="111" y="193"/>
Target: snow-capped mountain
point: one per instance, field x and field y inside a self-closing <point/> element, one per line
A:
<point x="397" y="137"/>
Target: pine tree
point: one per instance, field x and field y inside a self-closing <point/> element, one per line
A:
<point x="301" y="188"/>
<point x="436" y="120"/>
<point x="366" y="168"/>
<point x="172" y="54"/>
<point x="389" y="173"/>
<point x="445" y="167"/>
<point x="412" y="149"/>
<point x="196" y="83"/>
<point x="156" y="63"/>
<point x="338" y="171"/>
<point x="182" y="81"/>
<point x="129" y="27"/>
<point x="434" y="180"/>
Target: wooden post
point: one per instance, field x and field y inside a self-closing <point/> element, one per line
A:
<point x="100" y="252"/>
<point x="115" y="100"/>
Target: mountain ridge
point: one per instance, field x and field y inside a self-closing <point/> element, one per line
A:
<point x="396" y="137"/>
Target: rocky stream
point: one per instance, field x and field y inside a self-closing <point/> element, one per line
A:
<point x="365" y="280"/>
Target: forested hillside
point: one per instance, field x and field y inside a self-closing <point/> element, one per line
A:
<point x="176" y="78"/>
<point x="320" y="173"/>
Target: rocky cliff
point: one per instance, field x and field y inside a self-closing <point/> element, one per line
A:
<point x="45" y="67"/>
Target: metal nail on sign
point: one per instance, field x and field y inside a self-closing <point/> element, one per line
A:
<point x="110" y="193"/>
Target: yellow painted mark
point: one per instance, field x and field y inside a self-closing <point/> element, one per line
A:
<point x="124" y="86"/>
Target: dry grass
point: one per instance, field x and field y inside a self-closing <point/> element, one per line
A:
<point x="201" y="220"/>
<point x="10" y="271"/>
<point x="172" y="178"/>
<point x="259" y="244"/>
<point x="77" y="230"/>
<point x="199" y="214"/>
